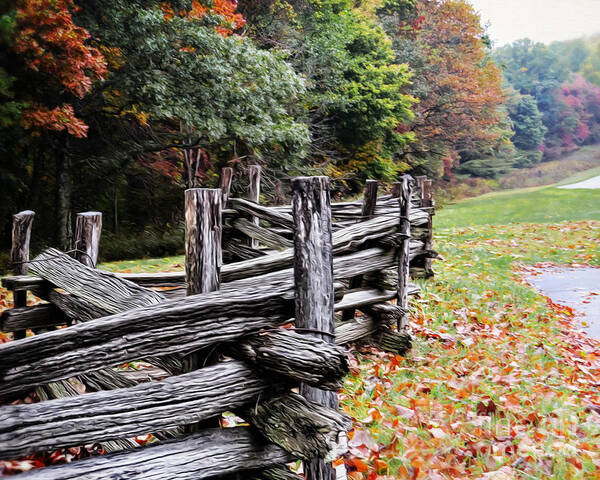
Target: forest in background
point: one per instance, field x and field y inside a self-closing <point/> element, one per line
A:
<point x="119" y="105"/>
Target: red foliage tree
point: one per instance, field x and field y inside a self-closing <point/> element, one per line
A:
<point x="49" y="42"/>
<point x="459" y="88"/>
<point x="576" y="121"/>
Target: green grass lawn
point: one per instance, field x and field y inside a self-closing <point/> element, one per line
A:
<point x="531" y="205"/>
<point x="166" y="264"/>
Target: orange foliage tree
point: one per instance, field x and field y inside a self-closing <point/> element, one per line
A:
<point x="459" y="88"/>
<point x="49" y="43"/>
<point x="226" y="9"/>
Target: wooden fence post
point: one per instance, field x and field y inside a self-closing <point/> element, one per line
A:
<point x="368" y="212"/>
<point x="226" y="177"/>
<point x="88" y="227"/>
<point x="21" y="234"/>
<point x="203" y="254"/>
<point x="19" y="255"/>
<point x="404" y="250"/>
<point x="313" y="281"/>
<point x="203" y="257"/>
<point x="254" y="174"/>
<point x="426" y="197"/>
<point x="427" y="201"/>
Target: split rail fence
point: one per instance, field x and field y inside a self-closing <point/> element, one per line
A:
<point x="254" y="325"/>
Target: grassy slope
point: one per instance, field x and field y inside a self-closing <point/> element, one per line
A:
<point x="499" y="384"/>
<point x="534" y="205"/>
<point x="547" y="173"/>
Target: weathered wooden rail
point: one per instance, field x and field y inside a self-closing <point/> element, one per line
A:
<point x="236" y="336"/>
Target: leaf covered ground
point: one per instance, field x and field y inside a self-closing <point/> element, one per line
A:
<point x="500" y="383"/>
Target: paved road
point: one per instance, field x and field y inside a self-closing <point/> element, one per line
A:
<point x="578" y="288"/>
<point x="593" y="182"/>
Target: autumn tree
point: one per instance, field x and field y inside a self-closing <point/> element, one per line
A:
<point x="576" y="119"/>
<point x="458" y="86"/>
<point x="176" y="80"/>
<point x="48" y="67"/>
<point x="567" y="101"/>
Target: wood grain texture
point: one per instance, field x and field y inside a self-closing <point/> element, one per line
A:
<point x="262" y="235"/>
<point x="19" y="256"/>
<point x="175" y="326"/>
<point x="271" y="215"/>
<point x="102" y="289"/>
<point x="354" y="330"/>
<point x="76" y="309"/>
<point x="296" y="356"/>
<point x="126" y="412"/>
<point x="368" y="211"/>
<point x="301" y="427"/>
<point x="202" y="455"/>
<point x="370" y="199"/>
<point x="21" y="235"/>
<point x="347" y="239"/>
<point x="225" y="185"/>
<point x="203" y="256"/>
<point x="88" y="228"/>
<point x="427" y="202"/>
<point x="394" y="342"/>
<point x="361" y="297"/>
<point x="387" y="314"/>
<point x="404" y="250"/>
<point x="79" y="309"/>
<point x="37" y="316"/>
<point x="254" y="174"/>
<point x="280" y="472"/>
<point x="313" y="283"/>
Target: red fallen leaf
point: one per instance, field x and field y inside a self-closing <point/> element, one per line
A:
<point x="575" y="462"/>
<point x="532" y="419"/>
<point x="592" y="408"/>
<point x="488" y="410"/>
<point x="355" y="475"/>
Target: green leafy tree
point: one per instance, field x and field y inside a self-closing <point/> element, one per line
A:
<point x="356" y="90"/>
<point x="572" y="53"/>
<point x="529" y="129"/>
<point x="591" y="67"/>
<point x="527" y="124"/>
<point x="192" y="88"/>
<point x="531" y="68"/>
